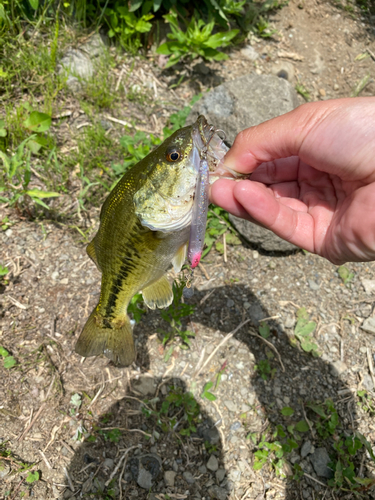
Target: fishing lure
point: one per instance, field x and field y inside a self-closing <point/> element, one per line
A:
<point x="199" y="214"/>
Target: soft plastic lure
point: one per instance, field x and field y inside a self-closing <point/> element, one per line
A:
<point x="199" y="214"/>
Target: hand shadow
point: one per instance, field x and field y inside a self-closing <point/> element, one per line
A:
<point x="177" y="459"/>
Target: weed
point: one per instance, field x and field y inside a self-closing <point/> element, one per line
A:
<point x="345" y="274"/>
<point x="264" y="369"/>
<point x="206" y="394"/>
<point x="366" y="402"/>
<point x="218" y="224"/>
<point x="9" y="360"/>
<point x="112" y="435"/>
<point x="134" y="309"/>
<point x="32" y="477"/>
<point x="76" y="402"/>
<point x="361" y="85"/>
<point x="303" y="332"/>
<point x="264" y="330"/>
<point x="303" y="91"/>
<point x="287" y="411"/>
<point x="176" y="402"/>
<point x="174" y="315"/>
<point x="196" y="41"/>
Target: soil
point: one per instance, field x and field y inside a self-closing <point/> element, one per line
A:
<point x="53" y="286"/>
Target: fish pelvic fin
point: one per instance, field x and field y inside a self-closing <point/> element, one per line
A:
<point x="113" y="338"/>
<point x="158" y="294"/>
<point x="90" y="250"/>
<point x="179" y="258"/>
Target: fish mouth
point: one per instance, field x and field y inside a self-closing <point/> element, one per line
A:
<point x="209" y="142"/>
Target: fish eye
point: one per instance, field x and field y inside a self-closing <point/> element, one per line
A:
<point x="173" y="155"/>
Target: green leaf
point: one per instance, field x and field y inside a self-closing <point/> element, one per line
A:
<point x="3" y="352"/>
<point x="287" y="411"/>
<point x="38" y="122"/>
<point x="264" y="330"/>
<point x="302" y="426"/>
<point x="34" y="4"/>
<point x="317" y="409"/>
<point x="3" y="132"/>
<point x="32" y="477"/>
<point x="303" y="330"/>
<point x="210" y="396"/>
<point x="221" y="39"/>
<point x="76" y="400"/>
<point x="37" y="193"/>
<point x="134" y="5"/>
<point x="157" y="4"/>
<point x="9" y="361"/>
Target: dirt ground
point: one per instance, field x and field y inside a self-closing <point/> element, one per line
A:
<point x="52" y="396"/>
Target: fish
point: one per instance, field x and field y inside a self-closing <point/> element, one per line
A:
<point x="144" y="230"/>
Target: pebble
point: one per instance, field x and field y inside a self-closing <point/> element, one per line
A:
<point x="235" y="426"/>
<point x="202" y="469"/>
<point x="368" y="285"/>
<point x="313" y="285"/>
<point x="108" y="462"/>
<point x="250" y="53"/>
<point x="336" y="86"/>
<point x="169" y="478"/>
<point x="64" y="281"/>
<point x="338" y="367"/>
<point x="320" y="460"/>
<point x="306" y="449"/>
<point x="230" y="303"/>
<point x="230" y="405"/>
<point x="218" y="493"/>
<point x="188" y="476"/>
<point x="55" y="275"/>
<point x="369" y="325"/>
<point x="322" y="92"/>
<point x="212" y="463"/>
<point x="8" y="233"/>
<point x="220" y="474"/>
<point x="290" y="321"/>
<point x="235" y="475"/>
<point x="255" y="254"/>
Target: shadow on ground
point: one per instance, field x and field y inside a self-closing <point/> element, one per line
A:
<point x="176" y="462"/>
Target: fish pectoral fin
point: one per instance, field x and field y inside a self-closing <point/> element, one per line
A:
<point x="90" y="250"/>
<point x="179" y="258"/>
<point x="115" y="341"/>
<point x="159" y="294"/>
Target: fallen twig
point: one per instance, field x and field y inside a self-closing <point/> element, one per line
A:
<point x="225" y="339"/>
<point x="370" y="365"/>
<point x="271" y="346"/>
<point x="113" y="473"/>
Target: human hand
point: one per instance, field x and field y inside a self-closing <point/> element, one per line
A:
<point x="313" y="180"/>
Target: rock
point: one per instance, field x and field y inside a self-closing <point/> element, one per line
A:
<point x="202" y="469"/>
<point x="188" y="476"/>
<point x="4" y="470"/>
<point x="320" y="460"/>
<point x="322" y="92"/>
<point x="212" y="463"/>
<point x="306" y="449"/>
<point x="368" y="383"/>
<point x="201" y="68"/>
<point x="145" y="469"/>
<point x="249" y="53"/>
<point x="369" y="286"/>
<point x="244" y="102"/>
<point x="283" y="69"/>
<point x="77" y="63"/>
<point x="234" y="475"/>
<point x="108" y="462"/>
<point x="220" y="474"/>
<point x="230" y="405"/>
<point x="369" y="325"/>
<point x="290" y="321"/>
<point x="218" y="493"/>
<point x="210" y="435"/>
<point x="169" y="478"/>
<point x="236" y="425"/>
<point x="338" y="367"/>
<point x="145" y="385"/>
<point x="256" y="314"/>
<point x="8" y="233"/>
<point x="313" y="285"/>
<point x="55" y="275"/>
<point x="230" y="303"/>
<point x="264" y="238"/>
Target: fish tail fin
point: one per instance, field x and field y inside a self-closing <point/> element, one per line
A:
<point x="158" y="294"/>
<point x="114" y="339"/>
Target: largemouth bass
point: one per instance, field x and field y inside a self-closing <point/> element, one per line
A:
<point x="144" y="228"/>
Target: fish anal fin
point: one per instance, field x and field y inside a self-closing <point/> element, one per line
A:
<point x="158" y="294"/>
<point x="90" y="250"/>
<point x="179" y="258"/>
<point x="113" y="339"/>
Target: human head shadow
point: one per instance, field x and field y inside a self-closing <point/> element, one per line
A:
<point x="303" y="380"/>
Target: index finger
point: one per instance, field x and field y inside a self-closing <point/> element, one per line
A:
<point x="277" y="138"/>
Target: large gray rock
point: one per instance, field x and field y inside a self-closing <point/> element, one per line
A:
<point x="77" y="64"/>
<point x="239" y="104"/>
<point x="245" y="102"/>
<point x="257" y="235"/>
<point x="320" y="460"/>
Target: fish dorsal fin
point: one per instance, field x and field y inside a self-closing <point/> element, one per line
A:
<point x="158" y="294"/>
<point x="90" y="249"/>
<point x="179" y="258"/>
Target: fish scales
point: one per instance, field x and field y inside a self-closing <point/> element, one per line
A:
<point x="144" y="228"/>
